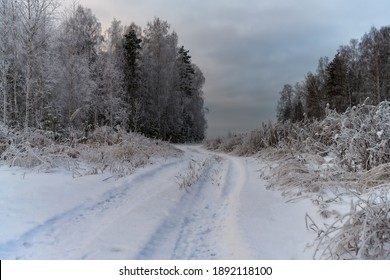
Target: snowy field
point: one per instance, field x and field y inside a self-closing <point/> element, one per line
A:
<point x="201" y="205"/>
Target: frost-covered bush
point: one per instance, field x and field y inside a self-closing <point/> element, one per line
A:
<point x="30" y="148"/>
<point x="227" y="145"/>
<point x="105" y="149"/>
<point x="231" y="143"/>
<point x="288" y="136"/>
<point x="363" y="140"/>
<point x="363" y="233"/>
<point x="360" y="137"/>
<point x="213" y="143"/>
<point x="377" y="176"/>
<point x="196" y="171"/>
<point x="4" y="135"/>
<point x="106" y="136"/>
<point x="121" y="152"/>
<point x="264" y="136"/>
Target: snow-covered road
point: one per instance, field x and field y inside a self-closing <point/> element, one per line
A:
<point x="202" y="205"/>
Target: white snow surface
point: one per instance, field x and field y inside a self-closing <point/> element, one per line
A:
<point x="226" y="213"/>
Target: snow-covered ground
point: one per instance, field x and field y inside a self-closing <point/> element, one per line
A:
<point x="202" y="205"/>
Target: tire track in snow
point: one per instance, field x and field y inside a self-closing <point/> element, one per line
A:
<point x="232" y="245"/>
<point x="185" y="232"/>
<point x="53" y="231"/>
<point x="200" y="224"/>
<point x="203" y="225"/>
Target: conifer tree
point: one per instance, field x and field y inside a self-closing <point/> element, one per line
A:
<point x="285" y="108"/>
<point x="336" y="85"/>
<point x="132" y="73"/>
<point x="315" y="103"/>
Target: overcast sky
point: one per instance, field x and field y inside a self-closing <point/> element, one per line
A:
<point x="248" y="49"/>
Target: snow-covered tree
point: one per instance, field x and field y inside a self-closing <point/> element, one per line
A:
<point x="187" y="107"/>
<point x="350" y="55"/>
<point x="171" y="87"/>
<point x="113" y="79"/>
<point x="375" y="63"/>
<point x="5" y="53"/>
<point x="36" y="17"/>
<point x="77" y="53"/>
<point x="110" y="101"/>
<point x="65" y="75"/>
<point x="158" y="70"/>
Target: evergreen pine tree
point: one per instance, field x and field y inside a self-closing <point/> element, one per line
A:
<point x="132" y="75"/>
<point x="314" y="100"/>
<point x="336" y="85"/>
<point x="285" y="108"/>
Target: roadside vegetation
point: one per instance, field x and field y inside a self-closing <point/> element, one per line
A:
<point x="106" y="149"/>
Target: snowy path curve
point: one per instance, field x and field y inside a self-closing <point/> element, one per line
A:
<point x="221" y="211"/>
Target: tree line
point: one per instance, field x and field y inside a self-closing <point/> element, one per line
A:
<point x="358" y="72"/>
<point x="66" y="74"/>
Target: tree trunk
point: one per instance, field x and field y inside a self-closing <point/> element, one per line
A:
<point x="4" y="83"/>
<point x="377" y="81"/>
<point x="4" y="57"/>
<point x="28" y="84"/>
<point x="5" y="93"/>
<point x="15" y="75"/>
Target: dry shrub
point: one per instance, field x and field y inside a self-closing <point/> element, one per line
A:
<point x="273" y="154"/>
<point x="213" y="143"/>
<point x="305" y="173"/>
<point x="376" y="176"/>
<point x="29" y="148"/>
<point x="105" y="149"/>
<point x="363" y="140"/>
<point x="360" y="137"/>
<point x="4" y="138"/>
<point x="106" y="136"/>
<point x="231" y="144"/>
<point x="196" y="171"/>
<point x="294" y="178"/>
<point x="315" y="159"/>
<point x="227" y="144"/>
<point x="364" y="233"/>
<point x="121" y="152"/>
